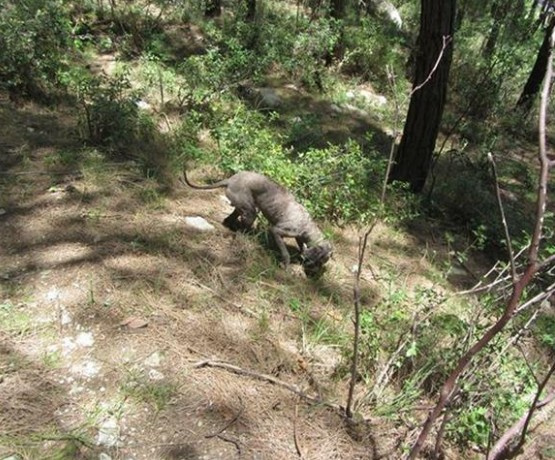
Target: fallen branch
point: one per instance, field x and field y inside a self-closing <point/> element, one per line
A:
<point x="227" y="425"/>
<point x="295" y="434"/>
<point x="268" y="378"/>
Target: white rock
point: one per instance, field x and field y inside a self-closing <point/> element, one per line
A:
<point x="68" y="345"/>
<point x="84" y="339"/>
<point x="153" y="374"/>
<point x="269" y="97"/>
<point x="103" y="456"/>
<point x="199" y="223"/>
<point x="108" y="433"/>
<point x="65" y="317"/>
<point x="53" y="294"/>
<point x="143" y="105"/>
<point x="86" y="369"/>
<point x="153" y="360"/>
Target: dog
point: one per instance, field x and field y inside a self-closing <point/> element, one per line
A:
<point x="250" y="192"/>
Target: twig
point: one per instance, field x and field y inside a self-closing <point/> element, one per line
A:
<point x="537" y="298"/>
<point x="440" y="434"/>
<point x="270" y="379"/>
<point x="501" y="449"/>
<point x="296" y="434"/>
<point x="227" y="438"/>
<point x="228" y="424"/>
<point x="224" y="299"/>
<point x="519" y="285"/>
<point x="503" y="218"/>
<point x="446" y="40"/>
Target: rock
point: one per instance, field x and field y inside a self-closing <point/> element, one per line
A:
<point x="153" y="360"/>
<point x="199" y="223"/>
<point x="143" y="105"/>
<point x="153" y="374"/>
<point x="84" y="339"/>
<point x="108" y="433"/>
<point x="103" y="456"/>
<point x="367" y="97"/>
<point x="86" y="369"/>
<point x="65" y="317"/>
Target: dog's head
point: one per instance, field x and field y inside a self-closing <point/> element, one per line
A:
<point x="314" y="259"/>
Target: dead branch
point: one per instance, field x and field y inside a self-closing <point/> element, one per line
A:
<point x="519" y="285"/>
<point x="503" y="218"/>
<point x="446" y="40"/>
<point x="502" y="449"/>
<point x="296" y="434"/>
<point x="268" y="378"/>
<point x="228" y="424"/>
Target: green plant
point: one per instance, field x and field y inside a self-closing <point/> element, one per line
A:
<point x="155" y="393"/>
<point x="544" y="330"/>
<point x="35" y="39"/>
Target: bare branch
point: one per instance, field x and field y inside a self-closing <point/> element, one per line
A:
<point x="446" y="40"/>
<point x="268" y="378"/>
<point x="502" y="449"/>
<point x="503" y="218"/>
<point x="518" y="287"/>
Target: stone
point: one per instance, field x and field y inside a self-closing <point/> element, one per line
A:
<point x="199" y="223"/>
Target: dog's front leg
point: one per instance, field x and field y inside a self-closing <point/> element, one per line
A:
<point x="281" y="245"/>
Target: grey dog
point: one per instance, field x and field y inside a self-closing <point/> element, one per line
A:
<point x="250" y="192"/>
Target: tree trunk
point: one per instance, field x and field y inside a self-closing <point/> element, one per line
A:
<point x="413" y="158"/>
<point x="532" y="86"/>
<point x="337" y="12"/>
<point x="213" y="8"/>
<point x="251" y="10"/>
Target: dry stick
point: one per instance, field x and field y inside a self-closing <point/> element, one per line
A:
<point x="501" y="449"/>
<point x="503" y="218"/>
<point x="538" y="298"/>
<point x="228" y="424"/>
<point x="295" y="434"/>
<point x="518" y="286"/>
<point x="363" y="242"/>
<point x="270" y="379"/>
<point x="440" y="435"/>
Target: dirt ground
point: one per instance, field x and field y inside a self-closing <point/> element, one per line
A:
<point x="127" y="334"/>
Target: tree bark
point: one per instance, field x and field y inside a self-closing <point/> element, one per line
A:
<point x="251" y="10"/>
<point x="413" y="158"/>
<point x="533" y="84"/>
<point x="213" y="8"/>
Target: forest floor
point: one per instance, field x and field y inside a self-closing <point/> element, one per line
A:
<point x="125" y="333"/>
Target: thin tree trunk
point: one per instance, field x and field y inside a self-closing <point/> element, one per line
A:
<point x="533" y="84"/>
<point x="213" y="8"/>
<point x="251" y="10"/>
<point x="413" y="158"/>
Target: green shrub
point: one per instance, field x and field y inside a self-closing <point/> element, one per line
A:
<point x="464" y="193"/>
<point x="110" y="117"/>
<point x="370" y="50"/>
<point x="34" y="38"/>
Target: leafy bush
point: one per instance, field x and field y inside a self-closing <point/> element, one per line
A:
<point x="337" y="182"/>
<point x="110" y="116"/>
<point x="370" y="50"/>
<point x="34" y="38"/>
<point x="464" y="192"/>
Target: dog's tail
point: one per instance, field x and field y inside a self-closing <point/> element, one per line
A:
<point x="219" y="184"/>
